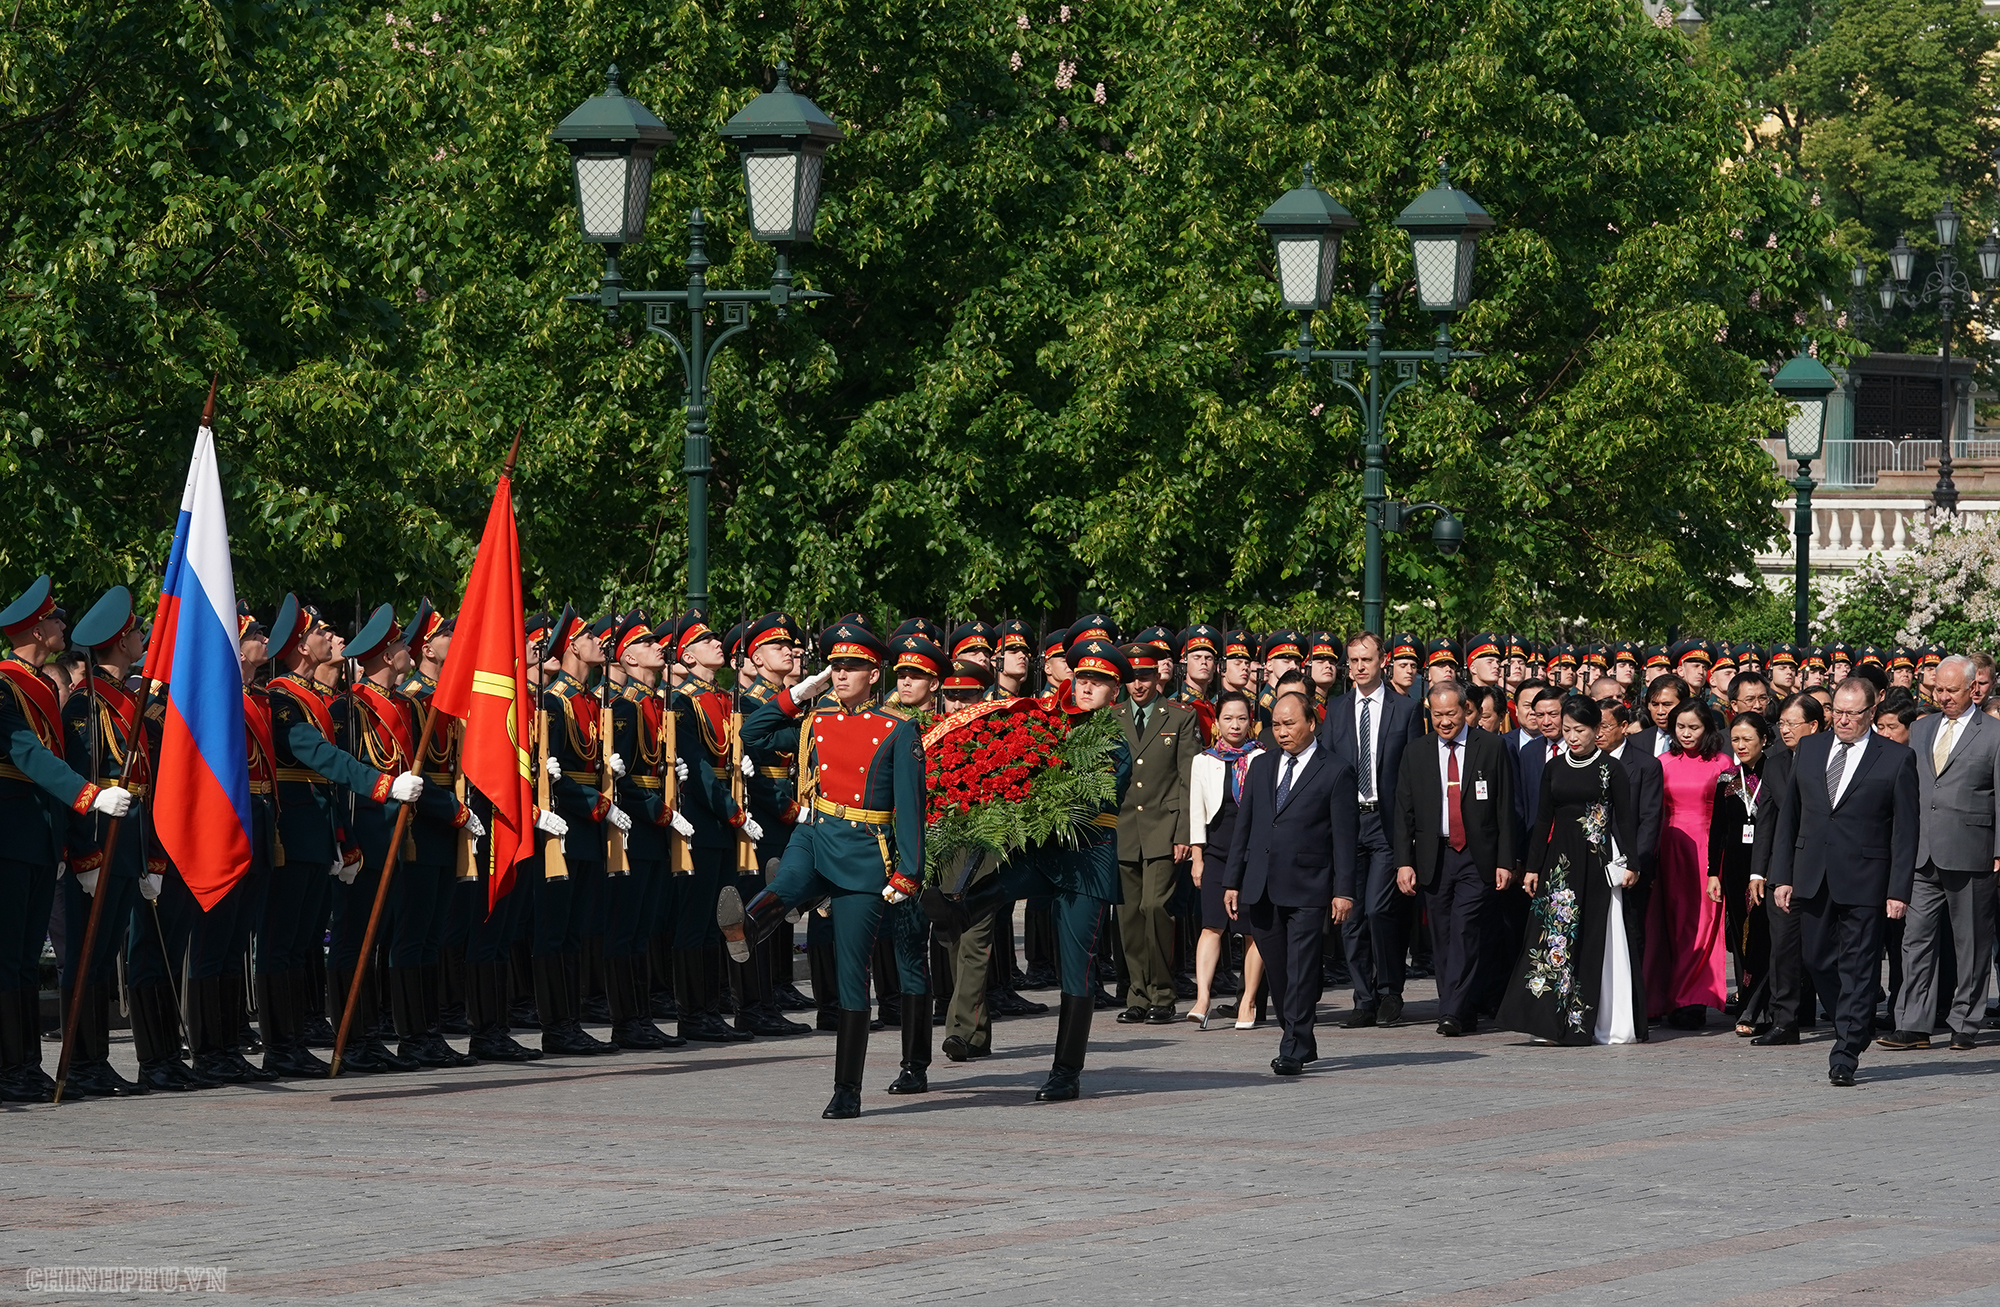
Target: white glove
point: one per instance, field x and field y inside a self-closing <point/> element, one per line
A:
<point x="752" y="829"/>
<point x="553" y="767"/>
<point x="334" y="870"/>
<point x="749" y="767"/>
<point x="87" y="882"/>
<point x="890" y="894"/>
<point x="550" y="824"/>
<point x="406" y="788"/>
<point x="149" y="885"/>
<point x="348" y="871"/>
<point x="808" y="690"/>
<point x="681" y="770"/>
<point x="112" y="801"/>
<point x="617" y="762"/>
<point x="621" y="819"/>
<point x="682" y="826"/>
<point x="476" y="826"/>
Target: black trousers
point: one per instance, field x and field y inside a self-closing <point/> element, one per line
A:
<point x="1291" y="941"/>
<point x="1792" y="997"/>
<point x="1376" y="932"/>
<point x="1842" y="945"/>
<point x="1457" y="903"/>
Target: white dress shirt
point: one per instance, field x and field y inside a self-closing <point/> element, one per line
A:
<point x="1297" y="762"/>
<point x="1444" y="778"/>
<point x="1374" y="741"/>
<point x="1854" y="752"/>
<point x="1955" y="725"/>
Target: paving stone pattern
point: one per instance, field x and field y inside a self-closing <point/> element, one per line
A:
<point x="1403" y="1168"/>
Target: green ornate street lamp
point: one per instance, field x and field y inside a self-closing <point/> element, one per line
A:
<point x="612" y="138"/>
<point x="1444" y="226"/>
<point x="1805" y="382"/>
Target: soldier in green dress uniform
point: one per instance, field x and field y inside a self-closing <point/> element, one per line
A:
<point x="862" y="848"/>
<point x="1081" y="882"/>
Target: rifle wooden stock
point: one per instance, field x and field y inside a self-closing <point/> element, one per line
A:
<point x="554" y="865"/>
<point x="746" y="848"/>
<point x="617" y="862"/>
<point x="680" y="855"/>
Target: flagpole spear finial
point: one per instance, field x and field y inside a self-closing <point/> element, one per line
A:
<point x="515" y="452"/>
<point x="208" y="409"/>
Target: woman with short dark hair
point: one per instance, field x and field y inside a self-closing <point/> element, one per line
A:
<point x="1686" y="963"/>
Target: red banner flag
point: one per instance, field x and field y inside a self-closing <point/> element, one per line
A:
<point x="484" y="684"/>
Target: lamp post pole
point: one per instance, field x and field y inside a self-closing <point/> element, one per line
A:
<point x="1802" y="527"/>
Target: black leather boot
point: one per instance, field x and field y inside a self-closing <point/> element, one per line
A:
<point x="850" y="1057"/>
<point x="631" y="1027"/>
<point x="712" y="974"/>
<point x="745" y="926"/>
<point x="156" y="1039"/>
<point x="1072" y="1039"/>
<point x="915" y="1077"/>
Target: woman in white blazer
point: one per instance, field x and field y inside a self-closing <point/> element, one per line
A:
<point x="1214" y="783"/>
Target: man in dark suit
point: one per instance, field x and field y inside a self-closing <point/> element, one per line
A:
<point x="1370" y="725"/>
<point x="1455" y="833"/>
<point x="1793" y="1002"/>
<point x="1292" y="856"/>
<point x="1846" y="850"/>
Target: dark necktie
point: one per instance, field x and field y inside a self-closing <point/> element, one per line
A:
<point x="1452" y="789"/>
<point x="1285" y="780"/>
<point x="1836" y="766"/>
<point x="1367" y="750"/>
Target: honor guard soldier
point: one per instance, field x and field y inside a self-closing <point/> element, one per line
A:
<point x="1440" y="661"/>
<point x="1812" y="666"/>
<point x="1927" y="665"/>
<point x="568" y="907"/>
<point x="1198" y="650"/>
<point x="917" y="668"/>
<point x="704" y="757"/>
<point x="40" y="791"/>
<point x="1282" y="653"/>
<point x="972" y="642"/>
<point x="1080" y="881"/>
<point x="1406" y="662"/>
<point x="1538" y="660"/>
<point x="1055" y="664"/>
<point x="442" y="831"/>
<point x="1625" y="668"/>
<point x="641" y="739"/>
<point x="1654" y="663"/>
<point x="1014" y="660"/>
<point x="773" y="646"/>
<point x="102" y="739"/>
<point x="861" y="848"/>
<point x="428" y="640"/>
<point x="1781" y="665"/>
<point x="1161" y="641"/>
<point x="1903" y="668"/>
<point x="1839" y="661"/>
<point x="313" y="832"/>
<point x="1516" y="663"/>
<point x="1162" y="739"/>
<point x="1595" y="662"/>
<point x="1562" y="666"/>
<point x="1322" y="668"/>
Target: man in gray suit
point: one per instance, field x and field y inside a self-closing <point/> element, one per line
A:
<point x="1958" y="779"/>
<point x="1152" y="835"/>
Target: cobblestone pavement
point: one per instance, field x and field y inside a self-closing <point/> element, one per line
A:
<point x="1403" y="1168"/>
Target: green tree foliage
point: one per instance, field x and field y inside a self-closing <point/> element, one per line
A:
<point x="1044" y="374"/>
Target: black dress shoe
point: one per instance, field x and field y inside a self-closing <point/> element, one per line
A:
<point x="1132" y="1016"/>
<point x="572" y="1040"/>
<point x="1162" y="1016"/>
<point x="156" y="1076"/>
<point x="1962" y="1041"/>
<point x="1450" y="1027"/>
<point x="912" y="1080"/>
<point x="1287" y="1066"/>
<point x="1359" y="1017"/>
<point x="1101" y="1000"/>
<point x="597" y="1011"/>
<point x="1904" y="1039"/>
<point x="100" y="1080"/>
<point x="521" y="1015"/>
<point x="845" y="1104"/>
<point x="1841" y="1076"/>
<point x="1007" y="1003"/>
<point x="1391" y="1010"/>
<point x="788" y="999"/>
<point x="503" y="1048"/>
<point x="641" y="1034"/>
<point x="295" y="1062"/>
<point x="1776" y="1035"/>
<point x="766" y="1021"/>
<point x="957" y="1049"/>
<point x="15" y="1090"/>
<point x="318" y="1032"/>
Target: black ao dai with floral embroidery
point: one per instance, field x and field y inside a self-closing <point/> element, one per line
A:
<point x="1560" y="979"/>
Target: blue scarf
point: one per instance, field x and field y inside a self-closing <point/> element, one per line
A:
<point x="1238" y="760"/>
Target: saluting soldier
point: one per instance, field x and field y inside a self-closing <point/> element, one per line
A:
<point x="703" y="759"/>
<point x="1081" y="881"/>
<point x="311" y="769"/>
<point x="861" y="849"/>
<point x="40" y="790"/>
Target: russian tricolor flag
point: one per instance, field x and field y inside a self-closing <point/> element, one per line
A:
<point x="201" y="791"/>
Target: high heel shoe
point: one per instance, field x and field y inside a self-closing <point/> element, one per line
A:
<point x="1251" y="1024"/>
<point x="1200" y="1020"/>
